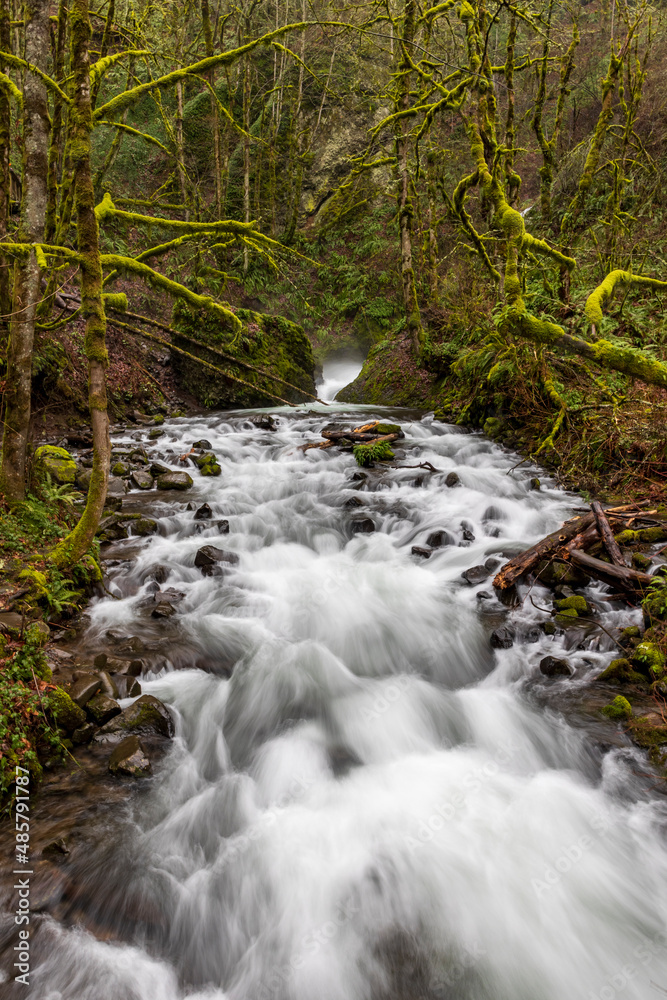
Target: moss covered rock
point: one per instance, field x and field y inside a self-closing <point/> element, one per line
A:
<point x="619" y="708"/>
<point x="651" y="659"/>
<point x="56" y="463"/>
<point x="620" y="671"/>
<point x="67" y="714"/>
<point x="574" y="603"/>
<point x="271" y="343"/>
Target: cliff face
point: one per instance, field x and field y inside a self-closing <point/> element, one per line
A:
<point x="270" y="343"/>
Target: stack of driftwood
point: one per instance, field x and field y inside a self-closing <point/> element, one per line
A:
<point x="337" y="435"/>
<point x="598" y="530"/>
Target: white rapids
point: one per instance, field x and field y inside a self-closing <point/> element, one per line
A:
<point x="375" y="805"/>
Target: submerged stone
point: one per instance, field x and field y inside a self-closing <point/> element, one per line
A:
<point x="130" y="758"/>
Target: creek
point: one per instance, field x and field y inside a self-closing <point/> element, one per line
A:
<point x="363" y="800"/>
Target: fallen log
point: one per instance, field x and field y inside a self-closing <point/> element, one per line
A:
<point x="631" y="579"/>
<point x="546" y="548"/>
<point x="346" y="437"/>
<point x="607" y="535"/>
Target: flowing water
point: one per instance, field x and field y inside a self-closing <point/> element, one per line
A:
<point x="375" y="805"/>
<point x="337" y="372"/>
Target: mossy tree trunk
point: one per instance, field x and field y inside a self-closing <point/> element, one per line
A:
<point x="404" y="196"/>
<point x="27" y="275"/>
<point x="5" y="183"/>
<point x="77" y="543"/>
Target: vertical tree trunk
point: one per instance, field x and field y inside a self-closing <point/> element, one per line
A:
<point x="27" y="275"/>
<point x="405" y="205"/>
<point x="77" y="543"/>
<point x="246" y="149"/>
<point x="215" y="115"/>
<point x="5" y="183"/>
<point x="180" y="153"/>
<point x="55" y="148"/>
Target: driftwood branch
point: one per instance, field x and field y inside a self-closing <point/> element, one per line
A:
<point x="607" y="535"/>
<point x="631" y="579"/>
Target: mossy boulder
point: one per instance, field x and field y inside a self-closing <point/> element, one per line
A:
<point x="641" y="562"/>
<point x="271" y="343"/>
<point x="494" y="427"/>
<point x="574" y="603"/>
<point x="67" y="714"/>
<point x="619" y="708"/>
<point x="146" y="716"/>
<point x="208" y="464"/>
<point x="650" y="658"/>
<point x="56" y="463"/>
<point x="620" y="671"/>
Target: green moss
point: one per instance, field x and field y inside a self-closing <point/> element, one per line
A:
<point x="493" y="427"/>
<point x="640" y="561"/>
<point x="211" y="469"/>
<point x="620" y="672"/>
<point x="56" y="463"/>
<point x="366" y="454"/>
<point x="574" y="603"/>
<point x="265" y="342"/>
<point x="567" y="615"/>
<point x="651" y="658"/>
<point x="619" y="708"/>
<point x="66" y="713"/>
<point x="627" y="537"/>
<point x="387" y="429"/>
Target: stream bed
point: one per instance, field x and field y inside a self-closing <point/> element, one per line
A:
<point x="363" y="800"/>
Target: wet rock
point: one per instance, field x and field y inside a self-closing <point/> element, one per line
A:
<point x="208" y="555"/>
<point x="55" y="462"/>
<point x="438" y="539"/>
<point x="484" y="595"/>
<point x="82" y="481"/>
<point x="174" y="481"/>
<point x="146" y="716"/>
<point x="158" y="469"/>
<point x="534" y="483"/>
<point x="141" y="418"/>
<point x="142" y="480"/>
<point x="203" y="513"/>
<point x="575" y="603"/>
<point x="56" y="849"/>
<point x="144" y="526"/>
<point x="11" y="622"/>
<point x="163" y="610"/>
<point x="502" y="638"/>
<point x="101" y="708"/>
<point x="475" y="575"/>
<point x="156" y="433"/>
<point x="68" y="715"/>
<point x="223" y="527"/>
<point x="467" y="533"/>
<point x="354" y="502"/>
<point x="452" y="480"/>
<point x="619" y="708"/>
<point x="109" y="687"/>
<point x="620" y="671"/>
<point x="116" y="486"/>
<point x="419" y="550"/>
<point x="117" y="665"/>
<point x="531" y="633"/>
<point x="153" y="587"/>
<point x="551" y="666"/>
<point x="264" y="421"/>
<point x="358" y="477"/>
<point x="362" y="525"/>
<point x="120" y="469"/>
<point x="641" y="562"/>
<point x="84" y="688"/>
<point x="160" y="573"/>
<point x="203" y="444"/>
<point x="83" y="734"/>
<point x="130" y="758"/>
<point x="127" y="686"/>
<point x="419" y="481"/>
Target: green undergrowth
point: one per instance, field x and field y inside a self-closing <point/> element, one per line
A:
<point x="34" y="596"/>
